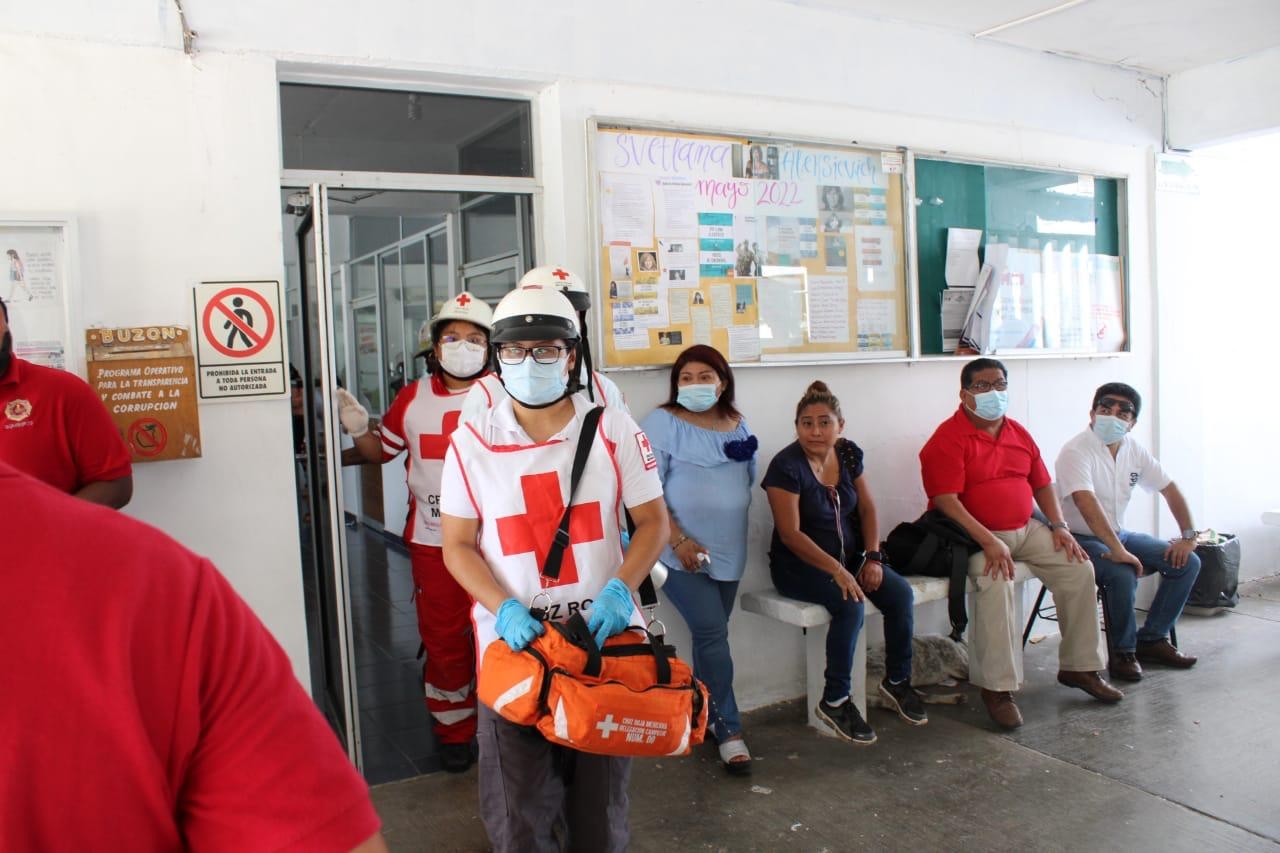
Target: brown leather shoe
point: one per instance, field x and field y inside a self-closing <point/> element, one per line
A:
<point x="1092" y="683"/>
<point x="1165" y="652"/>
<point x="1000" y="705"/>
<point x="1125" y="667"/>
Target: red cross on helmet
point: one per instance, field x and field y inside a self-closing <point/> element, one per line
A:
<point x="534" y="312"/>
<point x="563" y="279"/>
<point x="464" y="307"/>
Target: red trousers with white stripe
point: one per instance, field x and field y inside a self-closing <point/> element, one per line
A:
<point x="444" y="623"/>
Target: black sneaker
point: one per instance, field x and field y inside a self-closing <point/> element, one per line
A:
<point x="903" y="699"/>
<point x="845" y="720"/>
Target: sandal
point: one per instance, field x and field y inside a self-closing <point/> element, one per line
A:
<point x="735" y="757"/>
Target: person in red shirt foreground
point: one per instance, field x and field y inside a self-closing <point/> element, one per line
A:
<point x="54" y="427"/>
<point x="982" y="470"/>
<point x="146" y="707"/>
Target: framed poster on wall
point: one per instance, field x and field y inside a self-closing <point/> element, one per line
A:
<point x="768" y="250"/>
<point x="37" y="274"/>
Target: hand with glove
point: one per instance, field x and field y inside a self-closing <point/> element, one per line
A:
<point x="516" y="625"/>
<point x="611" y="611"/>
<point x="354" y="417"/>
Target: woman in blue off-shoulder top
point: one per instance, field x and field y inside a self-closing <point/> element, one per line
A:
<point x="706" y="459"/>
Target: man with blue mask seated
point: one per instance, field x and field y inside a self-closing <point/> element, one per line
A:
<point x="1097" y="472"/>
<point x="982" y="470"/>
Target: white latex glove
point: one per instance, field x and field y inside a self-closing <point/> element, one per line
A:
<point x="354" y="417"/>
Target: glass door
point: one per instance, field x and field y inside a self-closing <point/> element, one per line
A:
<point x="325" y="570"/>
<point x="369" y="385"/>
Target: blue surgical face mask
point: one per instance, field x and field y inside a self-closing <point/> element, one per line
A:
<point x="536" y="384"/>
<point x="1109" y="429"/>
<point x="990" y="405"/>
<point x="697" y="398"/>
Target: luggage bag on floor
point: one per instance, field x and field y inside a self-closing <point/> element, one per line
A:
<point x="1219" y="573"/>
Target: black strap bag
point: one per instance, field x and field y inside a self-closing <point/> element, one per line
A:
<point x="935" y="546"/>
<point x="551" y="565"/>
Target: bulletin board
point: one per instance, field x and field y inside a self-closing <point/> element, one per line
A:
<point x="1055" y="244"/>
<point x="766" y="249"/>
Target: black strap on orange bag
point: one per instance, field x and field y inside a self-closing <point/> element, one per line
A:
<point x="551" y="565"/>
<point x="555" y="554"/>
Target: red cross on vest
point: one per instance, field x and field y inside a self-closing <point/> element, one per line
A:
<point x="463" y="299"/>
<point x="560" y="274"/>
<point x="434" y="446"/>
<point x="534" y="531"/>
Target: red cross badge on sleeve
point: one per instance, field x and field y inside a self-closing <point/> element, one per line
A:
<point x="646" y="451"/>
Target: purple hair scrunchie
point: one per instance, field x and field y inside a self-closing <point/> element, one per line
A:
<point x="742" y="450"/>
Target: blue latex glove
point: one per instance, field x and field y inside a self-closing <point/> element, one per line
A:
<point x="626" y="540"/>
<point x="611" y="611"/>
<point x="516" y="626"/>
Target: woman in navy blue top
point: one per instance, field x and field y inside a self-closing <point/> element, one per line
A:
<point x="706" y="459"/>
<point x="823" y="514"/>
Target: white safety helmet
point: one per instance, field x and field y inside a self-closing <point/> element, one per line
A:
<point x="563" y="279"/>
<point x="534" y="312"/>
<point x="464" y="307"/>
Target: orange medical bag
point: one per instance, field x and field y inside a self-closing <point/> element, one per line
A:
<point x="632" y="697"/>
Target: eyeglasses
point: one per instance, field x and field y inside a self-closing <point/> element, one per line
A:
<point x="1123" y="408"/>
<point x="984" y="387"/>
<point x="478" y="340"/>
<point x="544" y="354"/>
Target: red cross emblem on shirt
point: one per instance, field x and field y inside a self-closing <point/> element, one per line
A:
<point x="560" y="274"/>
<point x="463" y="299"/>
<point x="535" y="530"/>
<point x="434" y="446"/>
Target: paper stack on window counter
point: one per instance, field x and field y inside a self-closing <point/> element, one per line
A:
<point x="961" y="275"/>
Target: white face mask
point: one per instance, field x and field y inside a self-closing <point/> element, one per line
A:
<point x="1109" y="429"/>
<point x="463" y="359"/>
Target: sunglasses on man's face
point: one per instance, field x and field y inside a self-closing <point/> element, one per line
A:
<point x="1123" y="408"/>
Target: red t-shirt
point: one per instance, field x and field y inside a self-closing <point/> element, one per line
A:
<point x="54" y="427"/>
<point x="994" y="477"/>
<point x="145" y="706"/>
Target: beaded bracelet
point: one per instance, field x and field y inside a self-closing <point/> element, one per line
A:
<point x="679" y="542"/>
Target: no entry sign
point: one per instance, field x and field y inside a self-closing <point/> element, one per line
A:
<point x="238" y="342"/>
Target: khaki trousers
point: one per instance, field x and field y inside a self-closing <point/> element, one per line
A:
<point x="996" y="661"/>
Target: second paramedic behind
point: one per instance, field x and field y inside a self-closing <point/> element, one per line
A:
<point x="504" y="491"/>
<point x="455" y="345"/>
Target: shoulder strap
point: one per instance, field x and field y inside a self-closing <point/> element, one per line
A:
<point x="551" y="566"/>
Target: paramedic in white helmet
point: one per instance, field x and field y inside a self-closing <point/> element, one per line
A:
<point x="504" y="491"/>
<point x="455" y="344"/>
<point x="598" y="388"/>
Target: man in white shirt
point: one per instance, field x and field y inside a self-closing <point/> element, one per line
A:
<point x="1098" y="470"/>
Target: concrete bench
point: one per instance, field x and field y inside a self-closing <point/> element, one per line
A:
<point x="812" y="619"/>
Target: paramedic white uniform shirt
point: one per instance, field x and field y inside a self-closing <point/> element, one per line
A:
<point x="488" y="391"/>
<point x="517" y="489"/>
<point x="419" y="421"/>
<point x="1085" y="464"/>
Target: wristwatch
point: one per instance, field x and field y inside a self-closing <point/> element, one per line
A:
<point x="1190" y="534"/>
<point x="873" y="555"/>
<point x="1059" y="525"/>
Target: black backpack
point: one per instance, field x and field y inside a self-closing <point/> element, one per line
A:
<point x="935" y="546"/>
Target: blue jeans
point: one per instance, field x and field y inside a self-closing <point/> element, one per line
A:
<point x="705" y="605"/>
<point x="893" y="598"/>
<point x="1120" y="583"/>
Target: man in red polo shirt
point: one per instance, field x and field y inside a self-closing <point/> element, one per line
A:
<point x="145" y="706"/>
<point x="54" y="427"/>
<point x="982" y="470"/>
